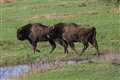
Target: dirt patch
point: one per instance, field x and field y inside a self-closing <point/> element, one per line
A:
<point x="59" y="15"/>
<point x="111" y="57"/>
<point x="6" y="1"/>
<point x="116" y="10"/>
<point x="49" y="16"/>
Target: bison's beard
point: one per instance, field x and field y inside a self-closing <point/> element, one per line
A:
<point x="20" y="37"/>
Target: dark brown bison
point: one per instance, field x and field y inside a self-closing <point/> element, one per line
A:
<point x="68" y="33"/>
<point x="34" y="33"/>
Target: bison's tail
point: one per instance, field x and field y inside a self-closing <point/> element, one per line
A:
<point x="94" y="31"/>
<point x="93" y="28"/>
<point x="92" y="35"/>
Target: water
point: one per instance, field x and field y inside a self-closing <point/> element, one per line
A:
<point x="6" y="72"/>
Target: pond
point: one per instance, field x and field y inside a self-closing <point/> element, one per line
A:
<point x="9" y="71"/>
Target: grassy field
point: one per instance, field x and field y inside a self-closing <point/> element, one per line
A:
<point x="104" y="16"/>
<point x="88" y="71"/>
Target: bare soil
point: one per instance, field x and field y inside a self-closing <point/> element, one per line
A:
<point x="56" y="15"/>
<point x="116" y="10"/>
<point x="6" y="1"/>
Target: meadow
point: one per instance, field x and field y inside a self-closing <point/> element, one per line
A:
<point x="104" y="16"/>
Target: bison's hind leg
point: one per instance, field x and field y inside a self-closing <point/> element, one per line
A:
<point x="53" y="45"/>
<point x="85" y="47"/>
<point x="95" y="44"/>
<point x="64" y="44"/>
<point x="73" y="47"/>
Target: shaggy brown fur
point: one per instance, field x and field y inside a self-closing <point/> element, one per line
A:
<point x="68" y="33"/>
<point x="34" y="33"/>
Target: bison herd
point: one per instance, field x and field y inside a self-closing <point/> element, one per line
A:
<point x="65" y="34"/>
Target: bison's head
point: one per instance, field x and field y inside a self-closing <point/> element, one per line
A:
<point x="23" y="32"/>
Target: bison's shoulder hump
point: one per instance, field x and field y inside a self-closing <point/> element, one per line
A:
<point x="27" y="26"/>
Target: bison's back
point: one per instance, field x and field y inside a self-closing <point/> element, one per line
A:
<point x="71" y="31"/>
<point x="74" y="32"/>
<point x="39" y="31"/>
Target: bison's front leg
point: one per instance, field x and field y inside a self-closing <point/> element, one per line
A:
<point x="85" y="47"/>
<point x="53" y="45"/>
<point x="34" y="45"/>
<point x="95" y="44"/>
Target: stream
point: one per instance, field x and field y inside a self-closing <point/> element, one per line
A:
<point x="9" y="71"/>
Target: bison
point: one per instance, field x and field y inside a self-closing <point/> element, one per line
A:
<point x="34" y="33"/>
<point x="68" y="33"/>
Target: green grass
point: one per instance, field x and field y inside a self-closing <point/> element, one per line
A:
<point x="18" y="13"/>
<point x="87" y="71"/>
